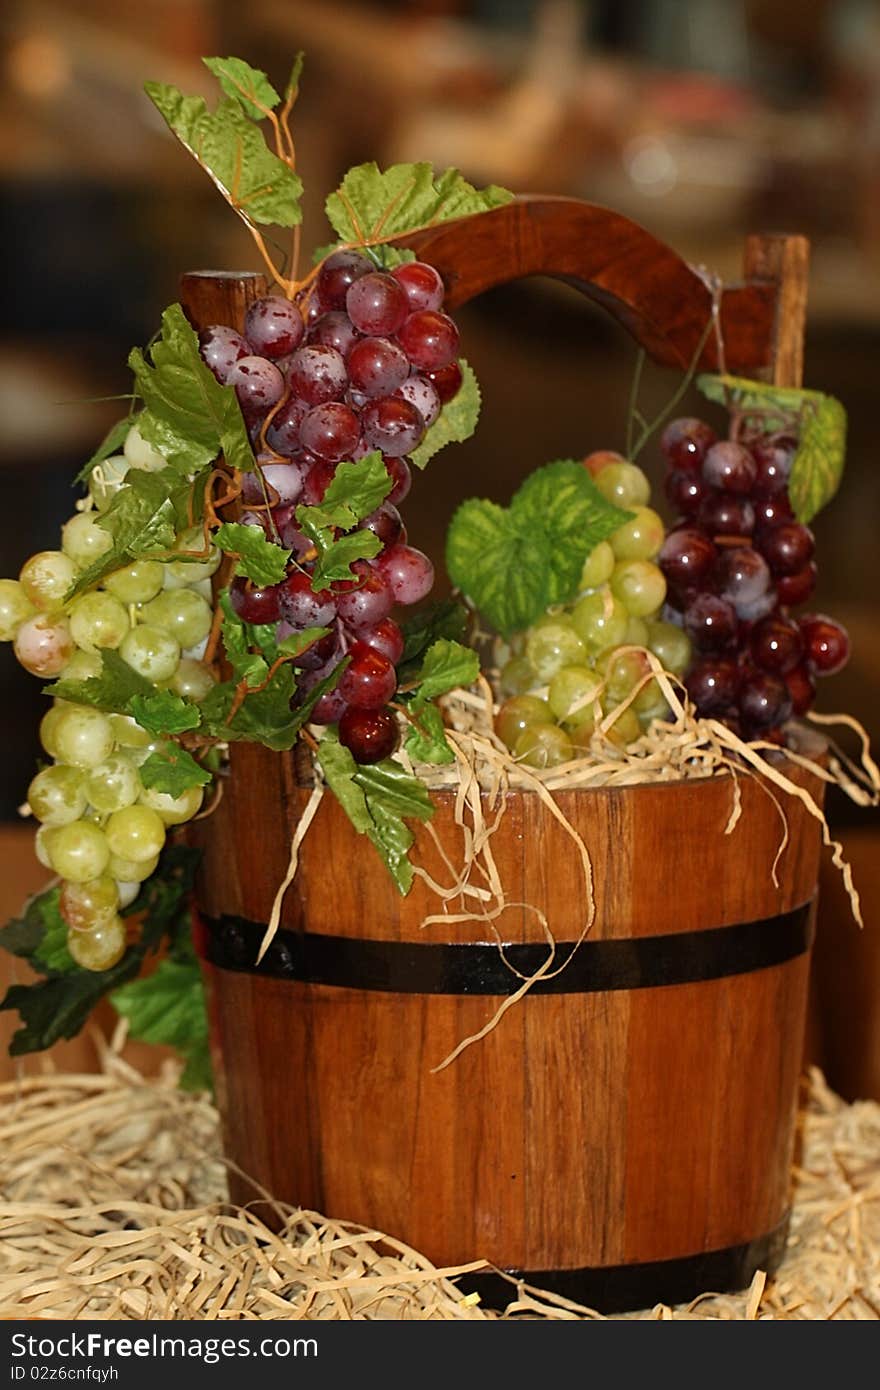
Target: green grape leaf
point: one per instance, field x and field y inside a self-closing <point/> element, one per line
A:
<point x="190" y="417"/>
<point x="298" y="642"/>
<point x="446" y="666"/>
<point x="168" y="1007"/>
<point x="339" y="769"/>
<point x="164" y="713"/>
<point x="112" y="690"/>
<point x="172" y="770"/>
<point x="426" y="741"/>
<point x="248" y="86"/>
<point x="265" y="716"/>
<point x="371" y="204"/>
<point x="336" y="557"/>
<point x="292" y="88"/>
<point x="111" y="444"/>
<point x="456" y="421"/>
<point x="258" y="558"/>
<point x="445" y="618"/>
<point x="513" y="562"/>
<point x="52" y="953"/>
<point x="355" y="491"/>
<point x="231" y="149"/>
<point x="384" y="257"/>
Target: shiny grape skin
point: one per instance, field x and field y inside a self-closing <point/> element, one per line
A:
<point x="377" y="366"/>
<point x="801" y="688"/>
<point x="386" y="637"/>
<point x="408" y="572"/>
<point x="429" y="339"/>
<point x="685" y="491"/>
<point x="317" y="481"/>
<point x="336" y="330"/>
<point x="317" y="374"/>
<point x="337" y="275"/>
<point x="369" y="735"/>
<point x="713" y="686"/>
<point x="258" y="385"/>
<point x="422" y="284"/>
<point x="392" y="425"/>
<point x="792" y="589"/>
<point x="773" y="463"/>
<point x="332" y="431"/>
<point x="687" y="557"/>
<point x="400" y="473"/>
<point x="685" y="443"/>
<point x="730" y="467"/>
<point x="369" y="680"/>
<point x="300" y="606"/>
<point x="273" y="326"/>
<point x="826" y="642"/>
<point x="787" y="548"/>
<point x="711" y="623"/>
<point x="221" y="348"/>
<point x="764" y="700"/>
<point x="283" y="431"/>
<point x="447" y="380"/>
<point x="776" y="645"/>
<point x="367" y="605"/>
<point x="742" y="577"/>
<point x="255" y="605"/>
<point x="423" y="394"/>
<point x="385" y="522"/>
<point x="772" y="511"/>
<point x="376" y="303"/>
<point x="723" y="514"/>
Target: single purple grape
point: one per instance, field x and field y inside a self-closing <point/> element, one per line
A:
<point x="394" y="426"/>
<point x="687" y="557"/>
<point x="730" y="467"/>
<point x="221" y="348"/>
<point x="385" y="522"/>
<point x="366" y="605"/>
<point x="377" y="367"/>
<point x="721" y="514"/>
<point x="377" y="304"/>
<point x="787" y="548"/>
<point x="273" y="326"/>
<point x="331" y="431"/>
<point x="338" y="274"/>
<point x="743" y="580"/>
<point x="258" y="385"/>
<point x="685" y="491"/>
<point x="369" y="734"/>
<point x="713" y="686"/>
<point x="429" y="339"/>
<point x="423" y="394"/>
<point x="303" y="608"/>
<point x="776" y="645"/>
<point x="336" y="330"/>
<point x="711" y="623"/>
<point x="408" y="572"/>
<point x="423" y="286"/>
<point x="369" y="680"/>
<point x="282" y="434"/>
<point x="764" y="700"/>
<point x="255" y="605"/>
<point x="317" y="374"/>
<point x="400" y="473"/>
<point x="686" y="442"/>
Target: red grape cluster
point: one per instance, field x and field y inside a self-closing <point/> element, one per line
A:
<point x="736" y="561"/>
<point x="364" y="362"/>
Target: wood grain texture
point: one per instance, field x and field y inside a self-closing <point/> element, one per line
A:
<point x="784" y="263"/>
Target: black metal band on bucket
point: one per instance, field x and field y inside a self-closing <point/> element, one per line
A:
<point x="621" y="1288"/>
<point x="405" y="967"/>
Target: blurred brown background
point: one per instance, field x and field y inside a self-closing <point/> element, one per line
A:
<point x="702" y="119"/>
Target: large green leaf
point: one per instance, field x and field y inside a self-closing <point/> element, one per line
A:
<point x="168" y="1007"/>
<point x="457" y="420"/>
<point x="371" y="203"/>
<point x="248" y="86"/>
<point x="143" y="518"/>
<point x="258" y="559"/>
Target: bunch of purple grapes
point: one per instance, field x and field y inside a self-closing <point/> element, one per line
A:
<point x="736" y="561"/>
<point x="364" y="361"/>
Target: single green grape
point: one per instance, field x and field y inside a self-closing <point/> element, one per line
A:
<point x="553" y="642"/>
<point x="15" y="608"/>
<point x="43" y="844"/>
<point x="625" y="729"/>
<point x="636" y="633"/>
<point x="78" y="851"/>
<point x="573" y="695"/>
<point x="597" y="567"/>
<point x="543" y="746"/>
<point x="192" y="680"/>
<point x="83" y="736"/>
<point x="640" y="587"/>
<point x="179" y="572"/>
<point x="91" y="904"/>
<point x="128" y="733"/>
<point x="140" y="454"/>
<point x="641" y="537"/>
<point x="517" y="676"/>
<point x="600" y="619"/>
<point x="83" y="666"/>
<point x="183" y="614"/>
<point x="517" y="714"/>
<point x="106" y="478"/>
<point x="46" y="578"/>
<point x="113" y="784"/>
<point x="650" y="703"/>
<point x="137" y="582"/>
<point x="43" y="644"/>
<point x="57" y="796"/>
<point x="622" y="671"/>
<point x="98" y="620"/>
<point x="129" y="870"/>
<point x="671" y="646"/>
<point x="99" y="948"/>
<point x="624" y="484"/>
<point x="151" y="652"/>
<point x="174" y="810"/>
<point x="127" y="891"/>
<point x="136" y="833"/>
<point x="49" y="726"/>
<point x="83" y="540"/>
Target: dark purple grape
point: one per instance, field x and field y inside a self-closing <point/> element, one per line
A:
<point x="743" y="579"/>
<point x="421" y="393"/>
<point x="721" y="514"/>
<point x="686" y="442"/>
<point x="772" y="511"/>
<point x="686" y="557"/>
<point x="776" y="645"/>
<point x="792" y="589"/>
<point x="323" y="653"/>
<point x="385" y="522"/>
<point x="283" y="483"/>
<point x="221" y="348"/>
<point x="377" y="366"/>
<point x="369" y="680"/>
<point x="328" y="708"/>
<point x="422" y="284"/>
<point x="773" y="463"/>
<point x="366" y="605"/>
<point x="317" y="374"/>
<point x="338" y="274"/>
<point x="331" y="431"/>
<point x="273" y="326"/>
<point x="408" y="572"/>
<point x="710" y="622"/>
<point x="447" y="380"/>
<point x="826" y="643"/>
<point x="429" y="339"/>
<point x="713" y="686"/>
<point x="376" y="303"/>
<point x="801" y="688"/>
<point x="258" y="385"/>
<point x="282" y="434"/>
<point x="386" y="637"/>
<point x="300" y="606"/>
<point x="764" y="700"/>
<point x="393" y="426"/>
<point x="369" y="735"/>
<point x="787" y="548"/>
<point x="317" y="481"/>
<point x="292" y="538"/>
<point x="730" y="467"/>
<point x="336" y="330"/>
<point x="255" y="605"/>
<point x="400" y="473"/>
<point x="685" y="491"/>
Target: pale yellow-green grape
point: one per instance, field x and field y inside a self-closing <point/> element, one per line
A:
<point x="98" y="620"/>
<point x="192" y="680"/>
<point x="128" y="733"/>
<point x="83" y="736"/>
<point x="600" y="620"/>
<point x="640" y="586"/>
<point x="140" y="454"/>
<point x="15" y="608"/>
<point x="128" y="871"/>
<point x="43" y="843"/>
<point x="517" y="676"/>
<point x="180" y="572"/>
<point x="640" y="538"/>
<point x="79" y="851"/>
<point x="49" y="725"/>
<point x="151" y="652"/>
<point x="543" y="746"/>
<point x="127" y="891"/>
<point x="636" y="633"/>
<point x="57" y="796"/>
<point x="137" y="582"/>
<point x="106" y="479"/>
<point x="650" y="703"/>
<point x="46" y="578"/>
<point x="597" y="567"/>
<point x="625" y="729"/>
<point x="99" y="948"/>
<point x="624" y="484"/>
<point x="91" y="904"/>
<point x="671" y="646"/>
<point x="82" y="666"/>
<point x="174" y="810"/>
<point x="83" y="540"/>
<point x="553" y="642"/>
<point x="622" y="671"/>
<point x="185" y="615"/>
<point x="43" y="645"/>
<point x="574" y="692"/>
<point x="517" y="714"/>
<point x="136" y="833"/>
<point x="113" y="784"/>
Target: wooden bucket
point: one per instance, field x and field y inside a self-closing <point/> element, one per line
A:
<point x="624" y="1134"/>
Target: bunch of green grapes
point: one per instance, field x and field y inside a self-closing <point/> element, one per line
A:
<point x="567" y="671"/>
<point x="101" y="830"/>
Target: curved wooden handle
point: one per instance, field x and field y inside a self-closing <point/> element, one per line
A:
<point x="663" y="302"/>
